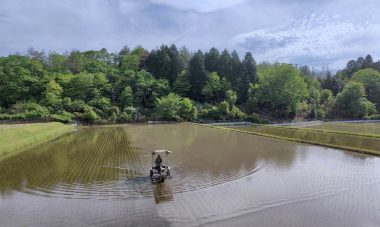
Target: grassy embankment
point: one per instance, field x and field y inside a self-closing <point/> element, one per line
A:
<point x="352" y="141"/>
<point x="366" y="129"/>
<point x="16" y="138"/>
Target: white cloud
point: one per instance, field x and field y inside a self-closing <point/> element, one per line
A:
<point x="199" y="5"/>
<point x="199" y="24"/>
<point x="314" y="40"/>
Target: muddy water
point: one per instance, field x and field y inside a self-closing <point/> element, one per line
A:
<point x="98" y="176"/>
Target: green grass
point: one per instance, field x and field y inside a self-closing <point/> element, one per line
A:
<point x="353" y="128"/>
<point x="369" y="144"/>
<point x="16" y="138"/>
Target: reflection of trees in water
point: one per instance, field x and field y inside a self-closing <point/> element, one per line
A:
<point x="162" y="193"/>
<point x="90" y="156"/>
<point x="205" y="156"/>
<point x="207" y="150"/>
<point x="166" y="136"/>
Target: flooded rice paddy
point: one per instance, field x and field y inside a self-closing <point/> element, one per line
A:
<point x="359" y="128"/>
<point x="367" y="143"/>
<point x="98" y="176"/>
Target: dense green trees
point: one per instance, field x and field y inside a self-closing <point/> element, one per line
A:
<point x="167" y="107"/>
<point x="371" y="80"/>
<point x="86" y="86"/>
<point x="351" y="102"/>
<point x="165" y="63"/>
<point x="173" y="107"/>
<point x="182" y="85"/>
<point x="126" y="98"/>
<point x="21" y="78"/>
<point x="326" y="104"/>
<point x="213" y="90"/>
<point x="280" y="88"/>
<point x="53" y="95"/>
<point x="147" y="88"/>
<point x="212" y="60"/>
<point x="174" y="84"/>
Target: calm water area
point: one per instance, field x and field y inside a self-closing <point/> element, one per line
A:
<point x="99" y="176"/>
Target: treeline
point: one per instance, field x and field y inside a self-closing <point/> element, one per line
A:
<point x="173" y="84"/>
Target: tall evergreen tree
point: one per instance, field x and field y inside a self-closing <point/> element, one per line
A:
<point x="376" y="66"/>
<point x="224" y="64"/>
<point x="36" y="55"/>
<point x="75" y="62"/>
<point x="235" y="77"/>
<point x="158" y="63"/>
<point x="197" y="76"/>
<point x="124" y="50"/>
<point x="249" y="76"/>
<point x="211" y="60"/>
<point x="165" y="63"/>
<point x="176" y="64"/>
<point x="185" y="56"/>
<point x="368" y="61"/>
<point x="182" y="85"/>
<point x="249" y="68"/>
<point x="327" y="83"/>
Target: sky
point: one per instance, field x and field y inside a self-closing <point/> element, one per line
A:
<point x="320" y="33"/>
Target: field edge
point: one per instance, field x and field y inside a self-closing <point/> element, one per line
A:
<point x="15" y="140"/>
<point x="352" y="149"/>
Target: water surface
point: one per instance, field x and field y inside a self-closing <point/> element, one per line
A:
<point x="98" y="176"/>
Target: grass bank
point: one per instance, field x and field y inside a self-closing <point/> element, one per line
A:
<point x="16" y="138"/>
<point x="369" y="144"/>
<point x="366" y="129"/>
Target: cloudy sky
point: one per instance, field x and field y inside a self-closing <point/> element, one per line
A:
<point x="318" y="33"/>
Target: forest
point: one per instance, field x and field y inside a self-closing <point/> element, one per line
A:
<point x="170" y="83"/>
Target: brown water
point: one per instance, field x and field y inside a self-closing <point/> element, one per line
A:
<point x="98" y="177"/>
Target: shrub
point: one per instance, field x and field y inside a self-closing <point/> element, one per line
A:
<point x="351" y="102"/>
<point x="236" y="113"/>
<point x="29" y="111"/>
<point x="102" y="103"/>
<point x="113" y="117"/>
<point x="66" y="103"/>
<point x="187" y="110"/>
<point x="254" y="118"/>
<point x="372" y="117"/>
<point x="133" y="112"/>
<point x="78" y="106"/>
<point x="209" y="112"/>
<point x="64" y="117"/>
<point x="130" y="114"/>
<point x="321" y="113"/>
<point x="167" y="108"/>
<point x="224" y="109"/>
<point x="5" y="116"/>
<point x="113" y="110"/>
<point x="90" y="116"/>
<point x="124" y="117"/>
